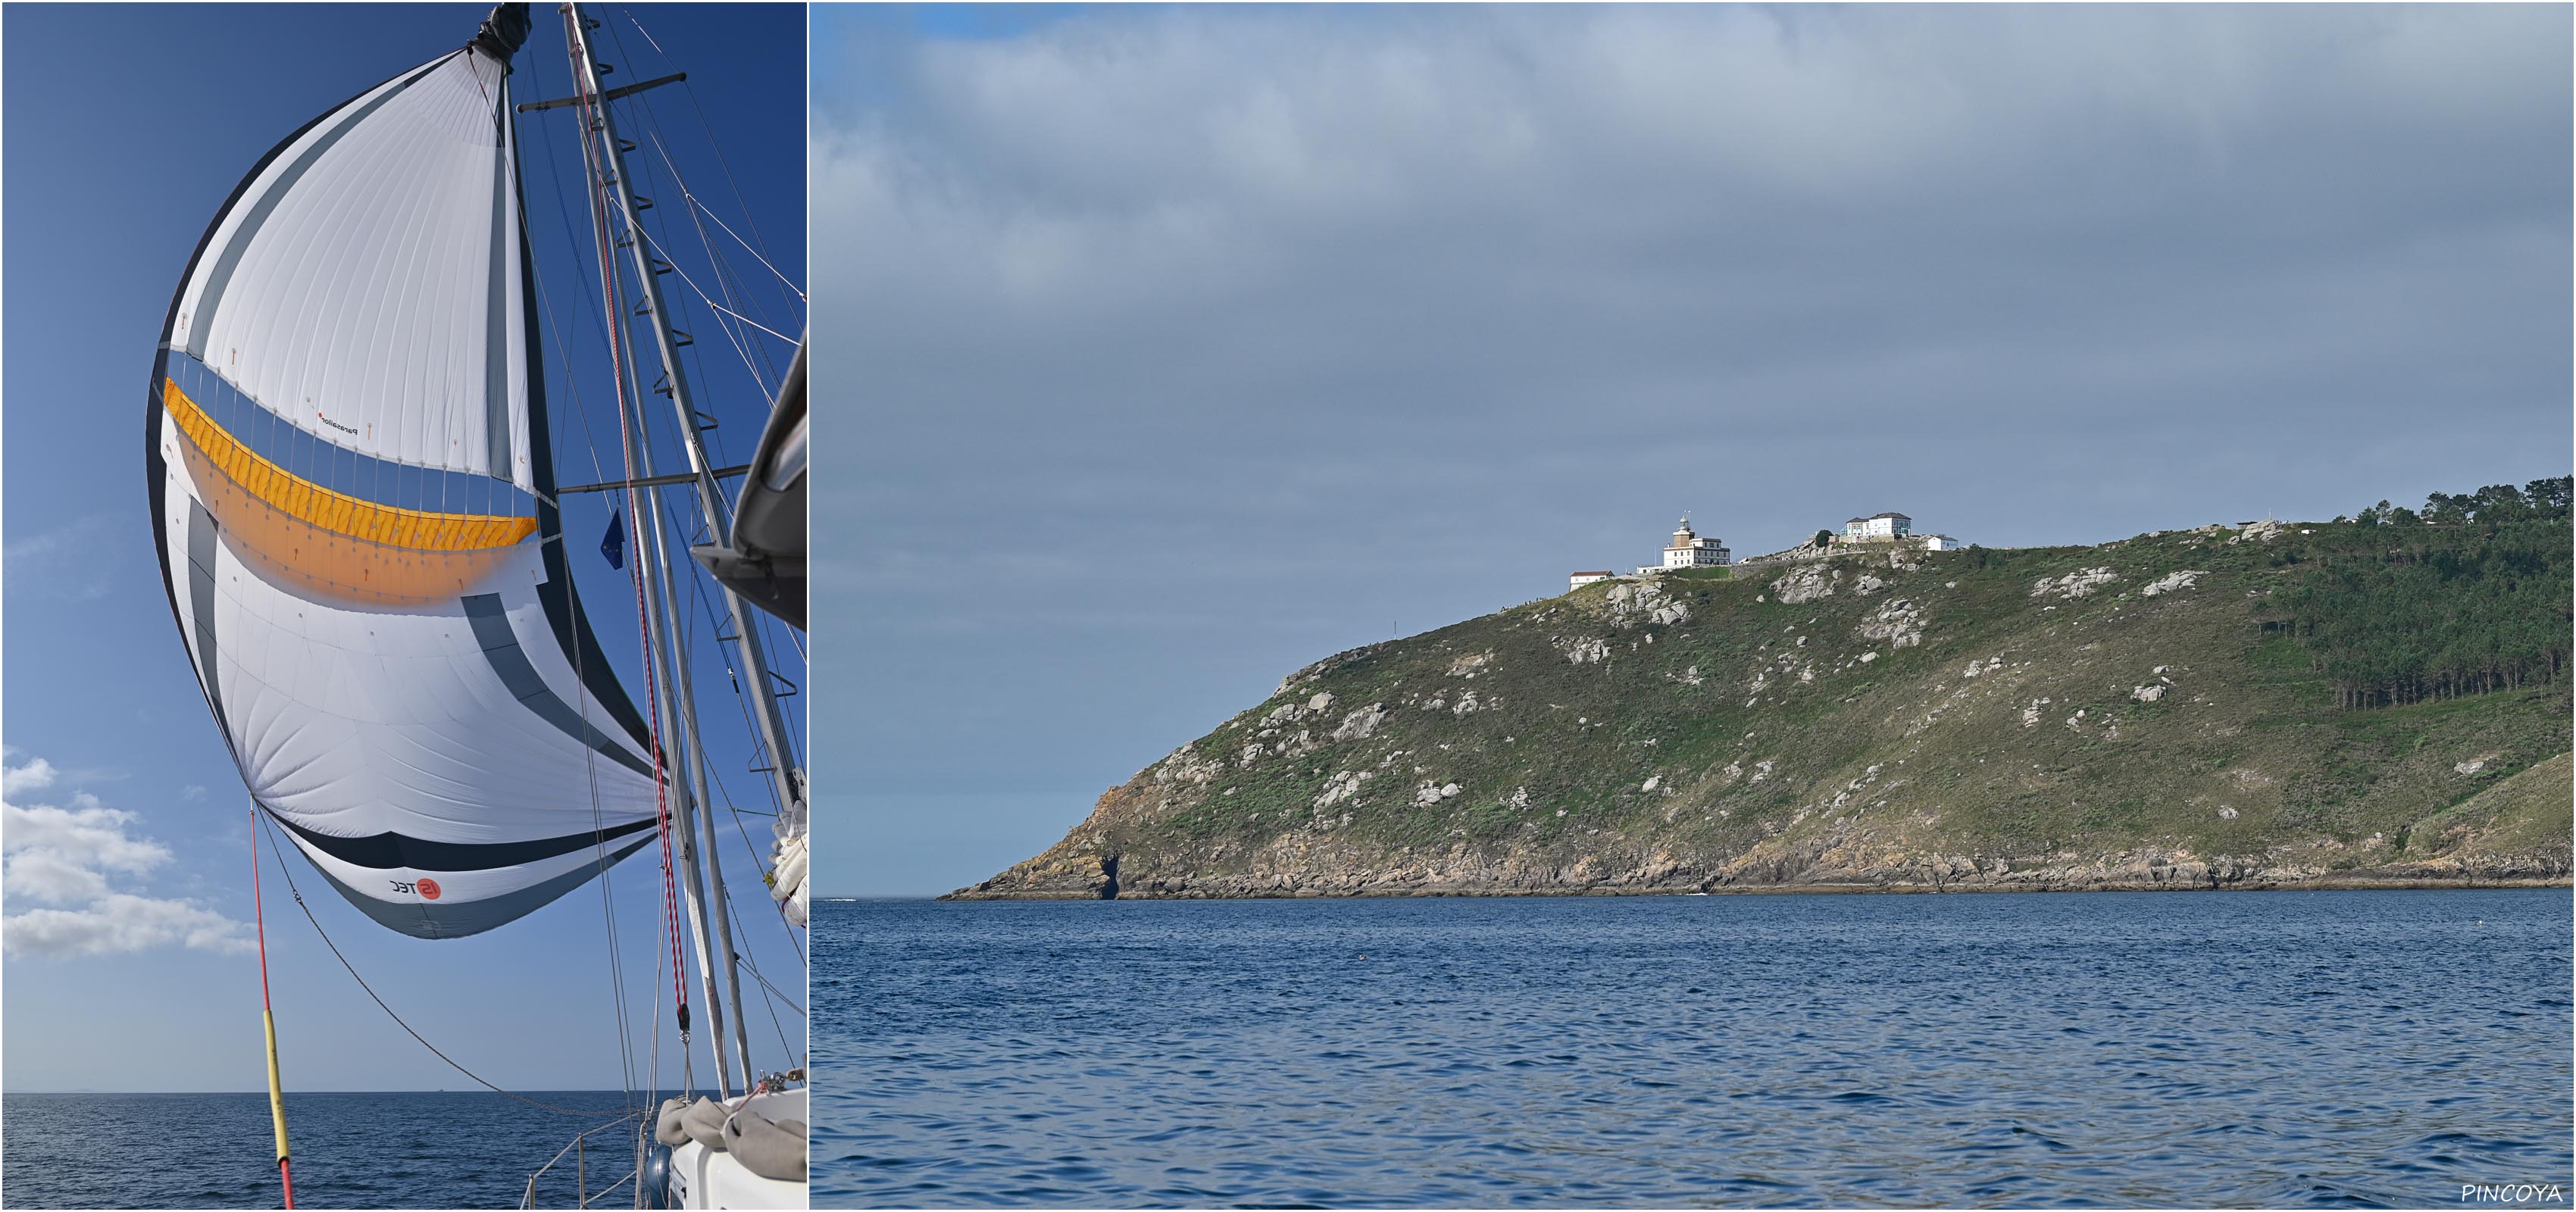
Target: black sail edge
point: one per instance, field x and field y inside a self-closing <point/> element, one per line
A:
<point x="562" y="602"/>
<point x="156" y="472"/>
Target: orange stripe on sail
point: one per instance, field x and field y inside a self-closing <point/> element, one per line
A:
<point x="338" y="512"/>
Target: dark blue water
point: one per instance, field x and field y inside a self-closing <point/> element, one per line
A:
<point x="397" y="1150"/>
<point x="2282" y="1049"/>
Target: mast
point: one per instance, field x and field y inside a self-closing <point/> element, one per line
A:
<point x="693" y="751"/>
<point x="753" y="659"/>
<point x="679" y="736"/>
<point x="679" y="704"/>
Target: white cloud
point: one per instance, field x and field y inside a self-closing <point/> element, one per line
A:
<point x="63" y="562"/>
<point x="85" y="834"/>
<point x="63" y="857"/>
<point x="1153" y="286"/>
<point x="122" y="922"/>
<point x="33" y="776"/>
<point x="44" y="875"/>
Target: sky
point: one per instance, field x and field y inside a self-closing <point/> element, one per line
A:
<point x="1168" y="349"/>
<point x="117" y="782"/>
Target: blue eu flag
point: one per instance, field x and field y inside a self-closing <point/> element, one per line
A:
<point x="613" y="544"/>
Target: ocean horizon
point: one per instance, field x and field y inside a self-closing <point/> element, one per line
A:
<point x="351" y="1148"/>
<point x="2156" y="1049"/>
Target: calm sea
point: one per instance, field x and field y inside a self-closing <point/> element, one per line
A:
<point x="389" y="1150"/>
<point x="2281" y="1049"/>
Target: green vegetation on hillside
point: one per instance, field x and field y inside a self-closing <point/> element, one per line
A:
<point x="2163" y="711"/>
<point x="2469" y="596"/>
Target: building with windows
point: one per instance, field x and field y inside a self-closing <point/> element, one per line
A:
<point x="1878" y="528"/>
<point x="1582" y="579"/>
<point x="1688" y="550"/>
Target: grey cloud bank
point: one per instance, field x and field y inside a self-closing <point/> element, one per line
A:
<point x="1163" y="350"/>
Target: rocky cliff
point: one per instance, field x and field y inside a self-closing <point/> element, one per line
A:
<point x="2126" y="716"/>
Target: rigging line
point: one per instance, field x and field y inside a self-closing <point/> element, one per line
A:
<point x="743" y="346"/>
<point x="274" y="844"/>
<point x="773" y="392"/>
<point x="782" y="996"/>
<point x="749" y="219"/>
<point x="742" y="703"/>
<point x="768" y="875"/>
<point x="767" y="1000"/>
<point x="590" y="757"/>
<point x="726" y="280"/>
<point x="697" y="207"/>
<point x="737" y="292"/>
<point x="634" y="230"/>
<point x="767" y="629"/>
<point x="701" y="292"/>
<point x="572" y="381"/>
<point x="590" y="442"/>
<point x="795" y="639"/>
<point x="732" y="337"/>
<point x="783" y="280"/>
<point x="628" y="382"/>
<point x="768" y="882"/>
<point x="651" y="127"/>
<point x="627" y="450"/>
<point x="607" y="898"/>
<point x="772" y="628"/>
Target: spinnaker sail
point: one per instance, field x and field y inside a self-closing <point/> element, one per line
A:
<point x="352" y="491"/>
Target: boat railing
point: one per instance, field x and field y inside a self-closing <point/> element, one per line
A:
<point x="579" y="1151"/>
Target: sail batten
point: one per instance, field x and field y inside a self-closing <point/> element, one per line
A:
<point x="344" y="435"/>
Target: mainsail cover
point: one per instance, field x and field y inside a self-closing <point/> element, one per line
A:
<point x="352" y="490"/>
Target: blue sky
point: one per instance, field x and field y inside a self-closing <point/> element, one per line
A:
<point x="108" y="189"/>
<point x="1190" y="344"/>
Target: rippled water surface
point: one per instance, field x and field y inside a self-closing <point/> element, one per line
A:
<point x="2165" y="1049"/>
<point x="393" y="1150"/>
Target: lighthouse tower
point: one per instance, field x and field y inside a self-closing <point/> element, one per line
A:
<point x="1688" y="550"/>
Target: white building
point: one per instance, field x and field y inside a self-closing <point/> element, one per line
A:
<point x="1688" y="550"/>
<point x="1582" y="579"/>
<point x="1878" y="528"/>
<point x="1941" y="542"/>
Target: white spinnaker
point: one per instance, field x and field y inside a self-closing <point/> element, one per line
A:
<point x="350" y="499"/>
<point x="351" y="287"/>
